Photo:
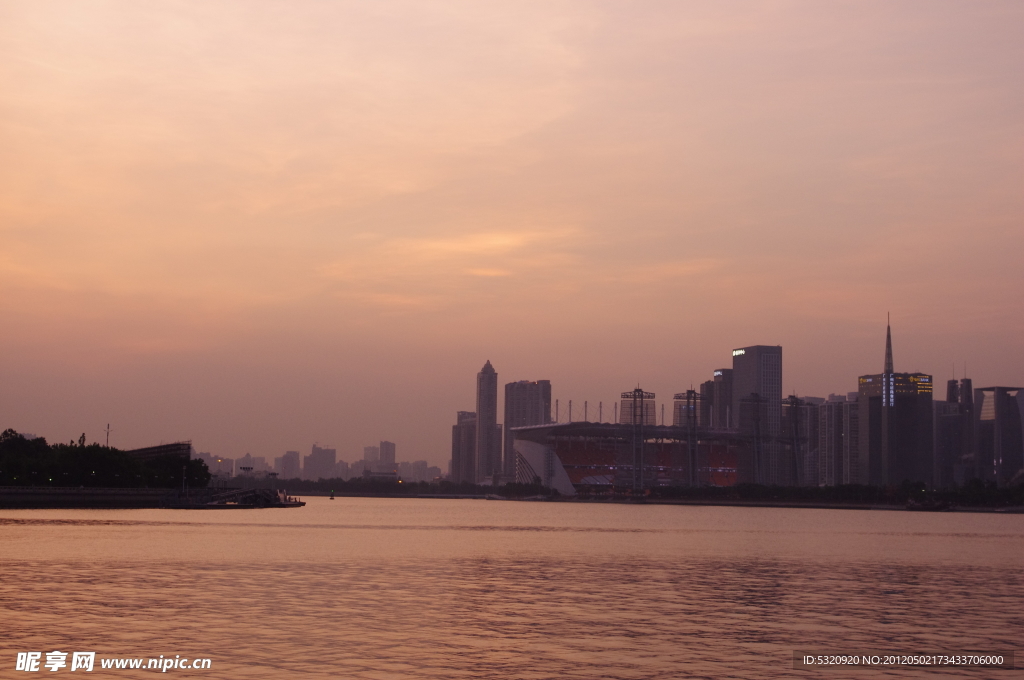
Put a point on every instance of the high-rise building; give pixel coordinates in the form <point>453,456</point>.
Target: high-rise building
<point>387,454</point>
<point>757,407</point>
<point>833,433</point>
<point>464,448</point>
<point>999,434</point>
<point>321,463</point>
<point>488,432</point>
<point>721,402</point>
<point>954,435</point>
<point>371,454</point>
<point>526,403</point>
<point>800,440</point>
<point>895,422</point>
<point>341,470</point>
<point>648,412</point>
<point>289,467</point>
<point>705,409</point>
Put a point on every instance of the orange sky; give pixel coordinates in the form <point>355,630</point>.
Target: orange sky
<point>262,224</point>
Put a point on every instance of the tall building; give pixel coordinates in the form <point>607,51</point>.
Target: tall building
<point>999,434</point>
<point>895,421</point>
<point>464,448</point>
<point>721,402</point>
<point>954,435</point>
<point>289,466</point>
<point>799,440</point>
<point>756,408</point>
<point>526,403</point>
<point>387,454</point>
<point>488,432</point>
<point>716,401</point>
<point>648,412</point>
<point>838,436</point>
<point>371,454</point>
<point>320,463</point>
<point>704,410</point>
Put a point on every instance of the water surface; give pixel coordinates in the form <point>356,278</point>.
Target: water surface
<point>404,588</point>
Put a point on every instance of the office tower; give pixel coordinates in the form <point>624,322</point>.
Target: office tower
<point>704,412</point>
<point>954,435</point>
<point>488,432</point>
<point>999,434</point>
<point>895,425</point>
<point>721,405</point>
<point>851,439</point>
<point>244,465</point>
<point>799,440</point>
<point>290,468</point>
<point>464,448</point>
<point>419,471</point>
<point>341,470</point>
<point>690,408</point>
<point>371,454</point>
<point>833,433</point>
<point>526,403</point>
<point>648,412</point>
<point>387,454</point>
<point>757,408</point>
<point>320,464</point>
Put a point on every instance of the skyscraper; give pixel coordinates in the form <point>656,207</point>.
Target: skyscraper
<point>321,463</point>
<point>290,466</point>
<point>488,432</point>
<point>757,407</point>
<point>526,403</point>
<point>954,435</point>
<point>387,454</point>
<point>800,439</point>
<point>895,420</point>
<point>648,412</point>
<point>721,408</point>
<point>464,448</point>
<point>999,433</point>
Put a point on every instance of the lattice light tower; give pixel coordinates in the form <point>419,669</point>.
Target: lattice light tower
<point>691,403</point>
<point>638,396</point>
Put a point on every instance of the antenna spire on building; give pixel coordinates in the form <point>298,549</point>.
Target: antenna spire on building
<point>888,346</point>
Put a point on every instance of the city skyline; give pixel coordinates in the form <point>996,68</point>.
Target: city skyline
<point>260,226</point>
<point>373,453</point>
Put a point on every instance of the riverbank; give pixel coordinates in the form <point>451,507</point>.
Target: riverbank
<point>29,497</point>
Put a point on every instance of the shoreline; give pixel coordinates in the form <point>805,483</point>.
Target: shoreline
<point>54,498</point>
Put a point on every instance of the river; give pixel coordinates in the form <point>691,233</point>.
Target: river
<point>433,588</point>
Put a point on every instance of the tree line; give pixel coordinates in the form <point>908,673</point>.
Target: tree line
<point>34,462</point>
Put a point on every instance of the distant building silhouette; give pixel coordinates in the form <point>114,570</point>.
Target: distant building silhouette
<point>648,415</point>
<point>387,454</point>
<point>999,434</point>
<point>464,448</point>
<point>526,403</point>
<point>954,435</point>
<point>757,408</point>
<point>488,432</point>
<point>800,440</point>
<point>371,454</point>
<point>838,437</point>
<point>288,466</point>
<point>321,463</point>
<point>895,421</point>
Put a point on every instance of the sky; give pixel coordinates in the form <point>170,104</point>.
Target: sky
<point>265,224</point>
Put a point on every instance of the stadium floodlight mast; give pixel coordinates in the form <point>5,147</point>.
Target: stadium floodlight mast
<point>638,396</point>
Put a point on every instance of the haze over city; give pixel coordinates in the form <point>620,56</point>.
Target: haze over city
<point>262,225</point>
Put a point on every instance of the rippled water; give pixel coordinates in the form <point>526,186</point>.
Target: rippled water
<point>378,588</point>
